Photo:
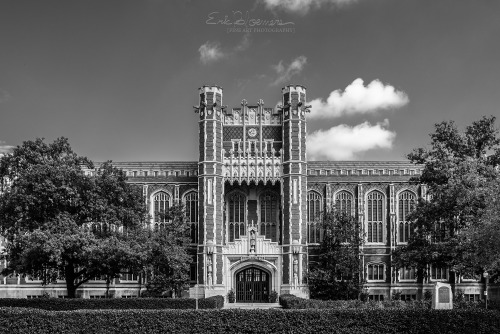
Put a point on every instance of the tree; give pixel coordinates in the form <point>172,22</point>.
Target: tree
<point>168,261</point>
<point>337,274</point>
<point>47,205</point>
<point>459,169</point>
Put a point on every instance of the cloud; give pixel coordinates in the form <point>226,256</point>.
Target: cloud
<point>303,6</point>
<point>210,52</point>
<point>4,95</point>
<point>285,73</point>
<point>4,149</point>
<point>358,99</point>
<point>343,142</point>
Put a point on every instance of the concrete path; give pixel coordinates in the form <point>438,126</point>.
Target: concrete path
<point>252,306</point>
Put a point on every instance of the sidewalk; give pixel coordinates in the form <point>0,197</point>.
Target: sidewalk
<point>251,306</point>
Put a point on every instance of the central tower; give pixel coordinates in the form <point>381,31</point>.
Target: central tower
<point>252,184</point>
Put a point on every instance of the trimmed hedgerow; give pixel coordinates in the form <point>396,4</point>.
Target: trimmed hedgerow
<point>293,302</point>
<point>16,320</point>
<point>54,304</point>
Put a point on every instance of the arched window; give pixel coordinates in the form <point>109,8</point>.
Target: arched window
<point>269,215</point>
<point>376,271</point>
<point>344,202</point>
<point>406,203</point>
<point>236,216</point>
<point>161,204</point>
<point>375,216</point>
<point>191,207</point>
<point>313,215</point>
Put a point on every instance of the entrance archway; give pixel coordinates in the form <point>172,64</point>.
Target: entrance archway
<point>252,285</point>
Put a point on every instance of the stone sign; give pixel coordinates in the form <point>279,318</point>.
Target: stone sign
<point>443,295</point>
<point>442,298</point>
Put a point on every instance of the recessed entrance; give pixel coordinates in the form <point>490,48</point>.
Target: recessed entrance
<point>252,286</point>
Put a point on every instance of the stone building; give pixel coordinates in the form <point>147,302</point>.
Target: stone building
<point>252,198</point>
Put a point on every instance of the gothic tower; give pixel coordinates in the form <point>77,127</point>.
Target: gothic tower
<point>210,187</point>
<point>294,189</point>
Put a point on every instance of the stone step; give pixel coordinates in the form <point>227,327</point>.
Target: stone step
<point>251,306</point>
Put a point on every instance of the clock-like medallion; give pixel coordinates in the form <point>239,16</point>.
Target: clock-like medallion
<point>252,132</point>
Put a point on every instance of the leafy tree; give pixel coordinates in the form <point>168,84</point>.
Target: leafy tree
<point>114,254</point>
<point>336,274</point>
<point>47,205</point>
<point>168,261</point>
<point>459,170</point>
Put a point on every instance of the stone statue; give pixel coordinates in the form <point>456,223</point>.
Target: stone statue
<point>209,271</point>
<point>252,241</point>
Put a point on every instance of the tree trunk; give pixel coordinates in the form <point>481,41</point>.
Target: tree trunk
<point>70,288</point>
<point>420,283</point>
<point>70,281</point>
<point>452,280</point>
<point>108,282</point>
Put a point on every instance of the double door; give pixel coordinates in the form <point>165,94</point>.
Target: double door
<point>252,286</point>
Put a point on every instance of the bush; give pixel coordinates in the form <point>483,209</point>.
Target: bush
<point>293,302</point>
<point>15,321</point>
<point>54,304</point>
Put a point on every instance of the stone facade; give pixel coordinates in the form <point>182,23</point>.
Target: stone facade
<point>251,198</point>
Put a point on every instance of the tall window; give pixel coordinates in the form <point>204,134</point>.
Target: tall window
<point>269,215</point>
<point>375,216</point>
<point>407,273</point>
<point>344,202</point>
<point>236,216</point>
<point>313,212</point>
<point>191,207</point>
<point>439,273</point>
<point>440,232</point>
<point>406,203</point>
<point>376,272</point>
<point>161,203</point>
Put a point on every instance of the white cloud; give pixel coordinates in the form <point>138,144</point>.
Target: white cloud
<point>210,52</point>
<point>358,99</point>
<point>285,73</point>
<point>343,142</point>
<point>303,6</point>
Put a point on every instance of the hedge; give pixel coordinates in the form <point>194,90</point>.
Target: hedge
<point>288,301</point>
<point>17,320</point>
<point>55,304</point>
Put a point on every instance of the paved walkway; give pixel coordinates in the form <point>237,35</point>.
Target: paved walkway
<point>252,306</point>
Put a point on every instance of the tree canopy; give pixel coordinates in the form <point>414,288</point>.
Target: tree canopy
<point>47,206</point>
<point>336,273</point>
<point>461,173</point>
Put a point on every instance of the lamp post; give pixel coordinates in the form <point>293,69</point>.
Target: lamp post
<point>486,276</point>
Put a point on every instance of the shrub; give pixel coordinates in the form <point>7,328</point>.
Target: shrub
<point>231,296</point>
<point>15,321</point>
<point>55,304</point>
<point>273,297</point>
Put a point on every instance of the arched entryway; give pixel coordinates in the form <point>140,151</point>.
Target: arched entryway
<point>252,285</point>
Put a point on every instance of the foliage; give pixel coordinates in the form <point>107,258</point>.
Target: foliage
<point>292,302</point>
<point>231,296</point>
<point>273,297</point>
<point>452,228</point>
<point>250,321</point>
<point>167,258</point>
<point>47,204</point>
<point>337,274</point>
<point>57,304</point>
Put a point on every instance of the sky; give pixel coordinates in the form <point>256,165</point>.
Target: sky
<point>119,78</point>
